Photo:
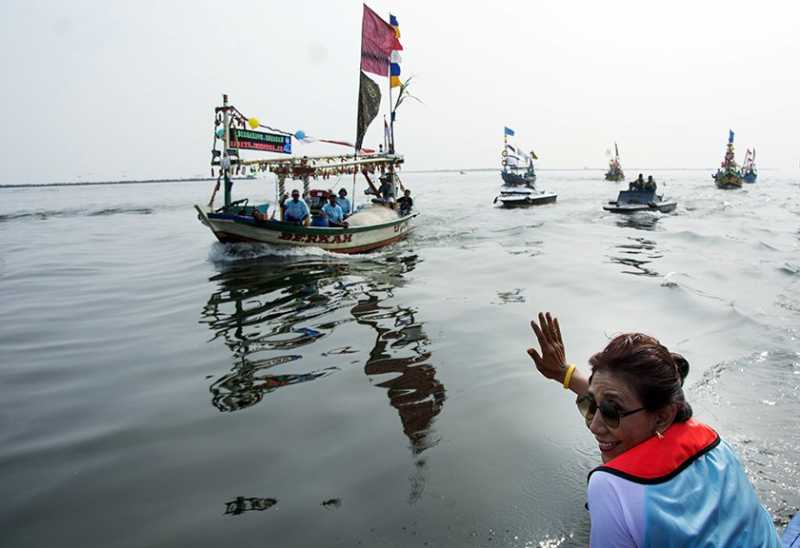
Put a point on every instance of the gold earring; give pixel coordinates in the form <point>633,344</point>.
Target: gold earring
<point>659,435</point>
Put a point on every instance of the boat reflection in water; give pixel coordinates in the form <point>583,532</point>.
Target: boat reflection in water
<point>413,390</point>
<point>256,309</point>
<point>639,221</point>
<point>637,254</point>
<point>267,309</point>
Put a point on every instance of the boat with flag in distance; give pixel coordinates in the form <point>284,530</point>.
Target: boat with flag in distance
<point>728,175</point>
<point>640,196</point>
<point>615,172</point>
<point>315,217</point>
<point>519,177</point>
<point>513,173</point>
<point>749,171</point>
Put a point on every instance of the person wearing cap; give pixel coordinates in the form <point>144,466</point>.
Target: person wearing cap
<point>295,210</point>
<point>344,203</point>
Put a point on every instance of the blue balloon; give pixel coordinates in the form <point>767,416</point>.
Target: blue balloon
<point>220,133</point>
<point>300,135</point>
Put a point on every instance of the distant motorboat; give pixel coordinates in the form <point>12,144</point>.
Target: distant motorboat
<point>522,196</point>
<point>640,197</point>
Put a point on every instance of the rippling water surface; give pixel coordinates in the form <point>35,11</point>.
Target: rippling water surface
<point>160,389</point>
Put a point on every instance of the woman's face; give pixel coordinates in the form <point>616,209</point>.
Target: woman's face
<point>632,430</point>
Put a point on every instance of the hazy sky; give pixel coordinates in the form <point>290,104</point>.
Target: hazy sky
<point>110,89</point>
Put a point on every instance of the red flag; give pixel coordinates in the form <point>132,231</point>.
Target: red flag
<point>378,39</point>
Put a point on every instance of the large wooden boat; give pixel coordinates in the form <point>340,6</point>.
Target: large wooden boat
<point>728,176</point>
<point>372,225</point>
<point>615,172</point>
<point>316,220</point>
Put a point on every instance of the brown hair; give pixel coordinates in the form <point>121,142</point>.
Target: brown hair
<point>654,373</point>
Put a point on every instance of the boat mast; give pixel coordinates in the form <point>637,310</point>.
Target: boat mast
<point>505,150</point>
<point>226,161</point>
<point>391,113</point>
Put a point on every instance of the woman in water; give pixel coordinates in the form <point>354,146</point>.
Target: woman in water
<point>666,479</point>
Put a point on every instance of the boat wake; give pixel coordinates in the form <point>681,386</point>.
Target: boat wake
<point>229,253</point>
<point>43,215</point>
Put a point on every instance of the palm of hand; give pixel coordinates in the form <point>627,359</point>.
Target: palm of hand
<point>552,361</point>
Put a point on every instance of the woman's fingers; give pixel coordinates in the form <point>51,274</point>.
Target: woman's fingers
<point>544,328</point>
<point>551,327</point>
<point>537,359</point>
<point>539,334</point>
<point>558,331</point>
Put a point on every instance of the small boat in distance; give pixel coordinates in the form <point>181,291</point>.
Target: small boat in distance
<point>519,184</point>
<point>615,172</point>
<point>513,173</point>
<point>749,171</point>
<point>728,175</point>
<point>523,196</point>
<point>640,196</point>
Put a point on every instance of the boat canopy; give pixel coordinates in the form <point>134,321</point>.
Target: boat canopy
<point>322,167</point>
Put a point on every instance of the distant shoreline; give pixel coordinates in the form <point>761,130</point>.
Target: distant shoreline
<point>412,171</point>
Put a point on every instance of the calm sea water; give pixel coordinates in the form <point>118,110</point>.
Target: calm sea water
<point>160,389</point>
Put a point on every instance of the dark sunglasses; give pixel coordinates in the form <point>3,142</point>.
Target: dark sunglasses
<point>609,411</point>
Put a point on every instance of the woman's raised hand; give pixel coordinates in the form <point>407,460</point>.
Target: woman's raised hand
<point>552,362</point>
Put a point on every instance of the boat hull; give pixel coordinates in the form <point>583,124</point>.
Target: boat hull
<point>728,180</point>
<point>749,177</point>
<point>526,200</point>
<point>632,201</point>
<point>615,177</point>
<point>357,239</point>
<point>662,207</point>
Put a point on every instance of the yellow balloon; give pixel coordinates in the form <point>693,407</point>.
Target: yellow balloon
<point>253,123</point>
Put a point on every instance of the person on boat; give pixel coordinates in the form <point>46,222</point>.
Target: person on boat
<point>344,203</point>
<point>333,212</point>
<point>638,184</point>
<point>664,477</point>
<point>295,210</point>
<point>650,185</point>
<point>319,219</point>
<point>405,202</point>
<point>386,190</point>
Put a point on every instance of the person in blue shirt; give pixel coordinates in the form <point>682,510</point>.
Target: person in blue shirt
<point>334,212</point>
<point>295,210</point>
<point>344,203</point>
